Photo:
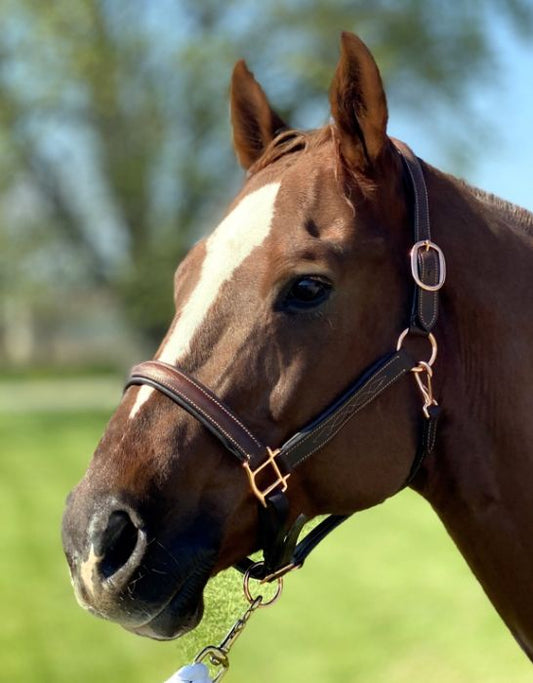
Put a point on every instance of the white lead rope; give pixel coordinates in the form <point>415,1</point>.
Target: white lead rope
<point>192,673</point>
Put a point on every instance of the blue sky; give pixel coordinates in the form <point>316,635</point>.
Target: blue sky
<point>504,163</point>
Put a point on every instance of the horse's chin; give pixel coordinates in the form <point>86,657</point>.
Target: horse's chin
<point>171,622</point>
<point>179,614</point>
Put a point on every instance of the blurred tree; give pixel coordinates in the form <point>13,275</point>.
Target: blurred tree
<point>117,111</point>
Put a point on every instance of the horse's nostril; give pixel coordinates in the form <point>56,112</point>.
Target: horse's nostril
<point>117,543</point>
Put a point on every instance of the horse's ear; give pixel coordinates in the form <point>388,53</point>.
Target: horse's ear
<point>254,122</point>
<point>358,104</point>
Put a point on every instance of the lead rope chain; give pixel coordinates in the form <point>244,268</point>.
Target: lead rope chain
<point>212,662</point>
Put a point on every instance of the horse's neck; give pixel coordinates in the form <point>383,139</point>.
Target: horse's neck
<point>480,479</point>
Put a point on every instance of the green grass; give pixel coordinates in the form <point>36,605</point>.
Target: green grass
<point>386,599</point>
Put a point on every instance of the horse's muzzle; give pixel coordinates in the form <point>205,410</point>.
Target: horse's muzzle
<point>120,572</point>
<point>104,548</point>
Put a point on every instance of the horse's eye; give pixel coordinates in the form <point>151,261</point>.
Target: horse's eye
<point>307,292</point>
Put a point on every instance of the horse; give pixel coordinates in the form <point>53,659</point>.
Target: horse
<point>281,313</point>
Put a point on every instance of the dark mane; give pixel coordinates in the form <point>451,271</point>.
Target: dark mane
<point>514,215</point>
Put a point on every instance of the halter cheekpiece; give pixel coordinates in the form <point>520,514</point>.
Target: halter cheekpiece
<point>269,469</point>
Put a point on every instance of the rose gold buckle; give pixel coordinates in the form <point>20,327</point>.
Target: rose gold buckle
<point>281,479</point>
<point>415,271</point>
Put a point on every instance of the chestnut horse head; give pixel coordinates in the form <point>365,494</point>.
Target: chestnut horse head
<point>302,285</point>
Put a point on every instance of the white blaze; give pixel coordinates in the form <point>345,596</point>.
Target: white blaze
<point>245,228</point>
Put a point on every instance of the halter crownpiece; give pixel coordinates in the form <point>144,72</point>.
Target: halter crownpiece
<point>268,469</point>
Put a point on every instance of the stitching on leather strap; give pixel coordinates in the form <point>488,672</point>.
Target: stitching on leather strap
<point>211,398</point>
<point>332,417</point>
<point>208,417</point>
<point>422,295</point>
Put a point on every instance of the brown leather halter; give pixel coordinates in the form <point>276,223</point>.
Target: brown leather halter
<point>269,469</point>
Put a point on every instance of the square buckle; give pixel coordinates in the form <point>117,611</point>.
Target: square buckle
<point>281,479</point>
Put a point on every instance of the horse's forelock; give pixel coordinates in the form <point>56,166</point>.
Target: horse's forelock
<point>289,142</point>
<point>293,143</point>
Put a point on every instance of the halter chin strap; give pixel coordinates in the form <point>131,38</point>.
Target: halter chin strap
<point>268,469</point>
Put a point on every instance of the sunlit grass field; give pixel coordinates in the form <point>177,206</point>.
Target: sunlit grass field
<point>386,599</point>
